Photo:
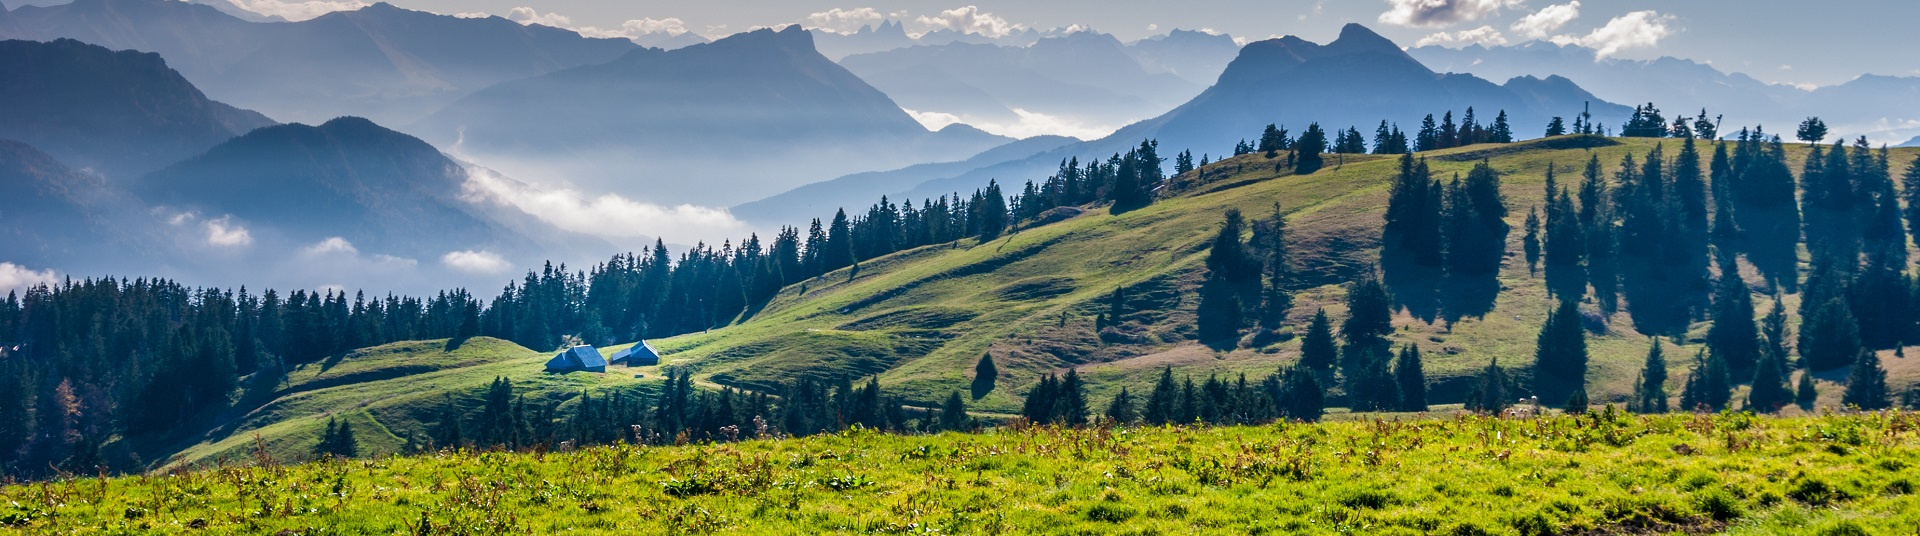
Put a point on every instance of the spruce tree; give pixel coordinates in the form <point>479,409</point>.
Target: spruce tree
<point>1770,391</point>
<point>1564,244</point>
<point>1867,385</point>
<point>1121,410</point>
<point>1707,385</point>
<point>1490,390</point>
<point>1318,351</point>
<point>1829,339</point>
<point>1650,395</point>
<point>1412,379</point>
<point>1531,242</point>
<point>1308,150</point>
<point>1577,402</point>
<point>1556,127</point>
<point>953,414</point>
<point>1072,400</point>
<point>1806,394</point>
<point>1910,188</point>
<point>1733,338</point>
<point>1560,355</point>
<point>1303,399</point>
<point>1369,322</point>
<point>1161,402</point>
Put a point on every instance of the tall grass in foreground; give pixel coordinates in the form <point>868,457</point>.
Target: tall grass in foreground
<point>1602,472</point>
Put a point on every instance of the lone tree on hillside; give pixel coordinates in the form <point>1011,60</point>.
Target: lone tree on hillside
<point>1811,130</point>
<point>984,375</point>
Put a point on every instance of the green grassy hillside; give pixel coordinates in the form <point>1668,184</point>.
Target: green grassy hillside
<point>920,319</point>
<point>1592,474</point>
<point>388,392</point>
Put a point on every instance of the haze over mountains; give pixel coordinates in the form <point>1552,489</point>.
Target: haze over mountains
<point>754,113</point>
<point>1357,80</point>
<point>556,144</point>
<point>1874,105</point>
<point>389,64</point>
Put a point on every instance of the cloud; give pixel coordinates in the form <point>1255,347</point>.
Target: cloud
<point>527,15</point>
<point>606,214</point>
<point>845,21</point>
<point>224,233</point>
<point>1026,124</point>
<point>969,19</point>
<point>1484,35</point>
<point>1540,24</point>
<point>643,26</point>
<point>475,262</point>
<point>1638,29</point>
<point>297,11</point>
<point>333,244</point>
<point>1440,12</point>
<point>14,277</point>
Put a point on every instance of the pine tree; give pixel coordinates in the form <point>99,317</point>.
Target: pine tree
<point>1412,379</point>
<point>953,414</point>
<point>1770,391</point>
<point>1733,338</point>
<point>1161,402</point>
<point>1867,385</point>
<point>1910,188</point>
<point>1318,351</point>
<point>1650,392</point>
<point>1577,402</point>
<point>1560,355</point>
<point>1556,127</point>
<point>1308,149</point>
<point>1812,131</point>
<point>1830,338</point>
<point>1072,400</point>
<point>1500,132</point>
<point>1596,223</point>
<point>1707,385</point>
<point>1120,410</point>
<point>1369,322</point>
<point>1303,398</point>
<point>1531,242</point>
<point>1806,394</point>
<point>1489,393</point>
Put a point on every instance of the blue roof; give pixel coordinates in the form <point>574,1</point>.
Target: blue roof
<point>640,351</point>
<point>578,358</point>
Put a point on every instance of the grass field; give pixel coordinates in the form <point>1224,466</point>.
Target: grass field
<point>1591,474</point>
<point>920,319</point>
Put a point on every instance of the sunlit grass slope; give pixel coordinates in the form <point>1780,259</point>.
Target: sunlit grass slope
<point>920,319</point>
<point>389,391</point>
<point>1591,474</point>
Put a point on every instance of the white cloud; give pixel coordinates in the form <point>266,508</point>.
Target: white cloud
<point>1540,24</point>
<point>224,233</point>
<point>1484,35</point>
<point>476,262</point>
<point>297,11</point>
<point>969,19</point>
<point>1638,29</point>
<point>1025,125</point>
<point>644,26</point>
<point>333,244</point>
<point>844,21</point>
<point>1440,12</point>
<point>14,277</point>
<point>1153,27</point>
<point>527,15</point>
<point>606,214</point>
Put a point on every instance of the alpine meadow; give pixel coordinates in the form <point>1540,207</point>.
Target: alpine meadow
<point>316,268</point>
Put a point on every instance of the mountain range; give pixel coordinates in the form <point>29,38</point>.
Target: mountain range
<point>1877,106</point>
<point>390,64</point>
<point>117,114</point>
<point>743,117</point>
<point>1357,80</point>
<point>1083,80</point>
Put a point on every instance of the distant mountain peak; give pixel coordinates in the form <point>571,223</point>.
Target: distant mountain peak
<point>1355,38</point>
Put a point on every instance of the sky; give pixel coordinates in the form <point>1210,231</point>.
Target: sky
<point>1793,42</point>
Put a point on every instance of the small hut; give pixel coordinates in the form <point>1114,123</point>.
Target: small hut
<point>578,358</point>
<point>640,354</point>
